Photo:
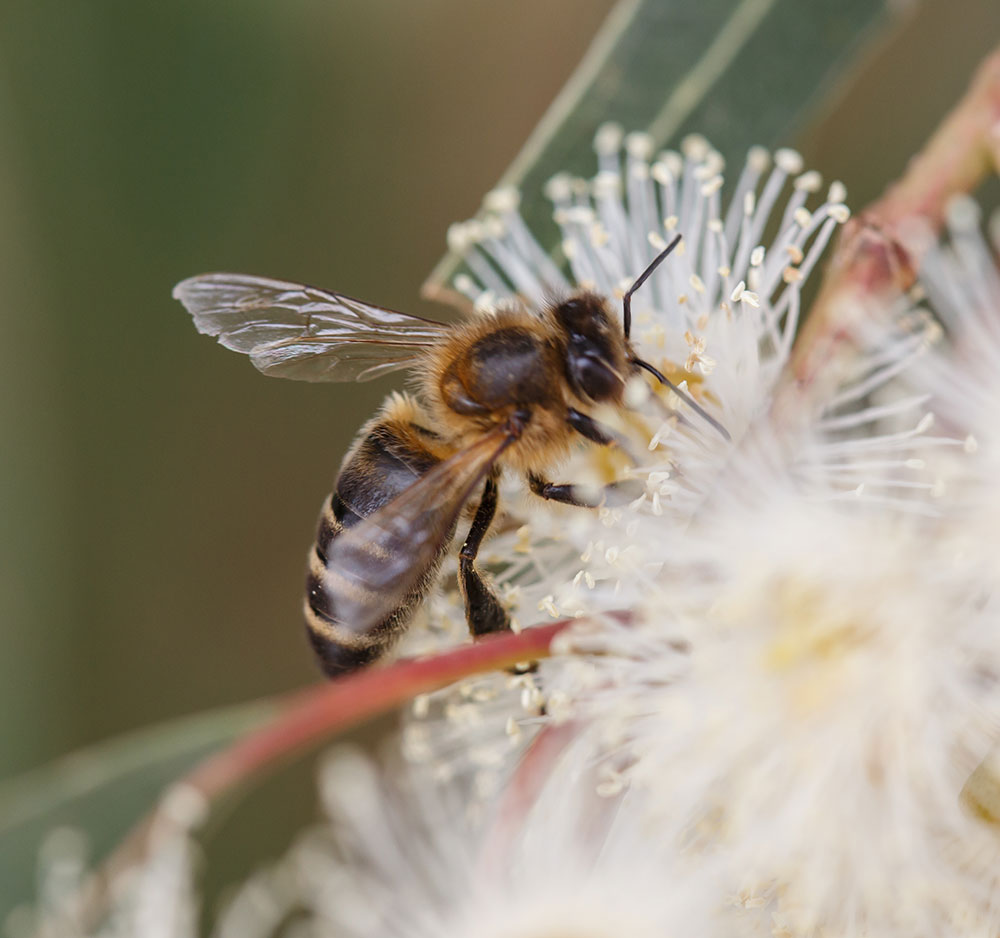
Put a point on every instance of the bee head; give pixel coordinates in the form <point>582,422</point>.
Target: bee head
<point>596,349</point>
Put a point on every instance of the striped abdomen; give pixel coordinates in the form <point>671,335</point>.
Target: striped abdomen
<point>392,455</point>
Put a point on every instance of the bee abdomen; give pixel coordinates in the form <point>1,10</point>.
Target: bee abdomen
<point>339,649</point>
<point>389,459</point>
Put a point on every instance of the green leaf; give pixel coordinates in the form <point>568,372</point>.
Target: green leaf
<point>740,73</point>
<point>105,789</point>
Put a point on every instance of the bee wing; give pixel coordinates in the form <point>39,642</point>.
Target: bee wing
<point>291,330</point>
<point>372,567</point>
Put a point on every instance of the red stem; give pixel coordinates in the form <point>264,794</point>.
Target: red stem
<point>320,712</point>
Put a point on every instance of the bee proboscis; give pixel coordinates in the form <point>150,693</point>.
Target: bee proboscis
<point>510,390</point>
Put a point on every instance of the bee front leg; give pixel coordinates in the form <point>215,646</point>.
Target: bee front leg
<point>566,493</point>
<point>483,609</point>
<point>589,428</point>
<point>563,492</point>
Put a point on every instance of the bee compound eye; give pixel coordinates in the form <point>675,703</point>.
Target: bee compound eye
<point>596,379</point>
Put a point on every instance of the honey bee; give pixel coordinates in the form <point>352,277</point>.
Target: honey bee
<point>509,390</point>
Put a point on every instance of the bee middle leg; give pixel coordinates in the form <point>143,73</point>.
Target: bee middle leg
<point>483,609</point>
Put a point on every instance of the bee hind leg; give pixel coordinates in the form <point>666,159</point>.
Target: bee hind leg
<point>483,609</point>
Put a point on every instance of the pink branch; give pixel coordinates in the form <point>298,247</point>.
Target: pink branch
<point>318,713</point>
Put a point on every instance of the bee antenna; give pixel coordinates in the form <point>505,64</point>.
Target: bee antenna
<point>697,408</point>
<point>640,280</point>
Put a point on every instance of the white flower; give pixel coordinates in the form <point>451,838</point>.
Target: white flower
<point>812,677</point>
<point>155,899</point>
<point>962,282</point>
<point>403,860</point>
<point>807,711</point>
<point>962,378</point>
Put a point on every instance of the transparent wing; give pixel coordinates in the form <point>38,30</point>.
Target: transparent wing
<point>291,330</point>
<point>373,566</point>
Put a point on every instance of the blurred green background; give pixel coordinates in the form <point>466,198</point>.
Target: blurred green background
<point>158,495</point>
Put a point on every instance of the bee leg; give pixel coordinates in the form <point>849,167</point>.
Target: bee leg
<point>598,433</point>
<point>483,609</point>
<point>564,492</point>
<point>567,493</point>
<point>588,427</point>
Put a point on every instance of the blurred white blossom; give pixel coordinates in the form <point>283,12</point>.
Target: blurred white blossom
<point>811,680</point>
